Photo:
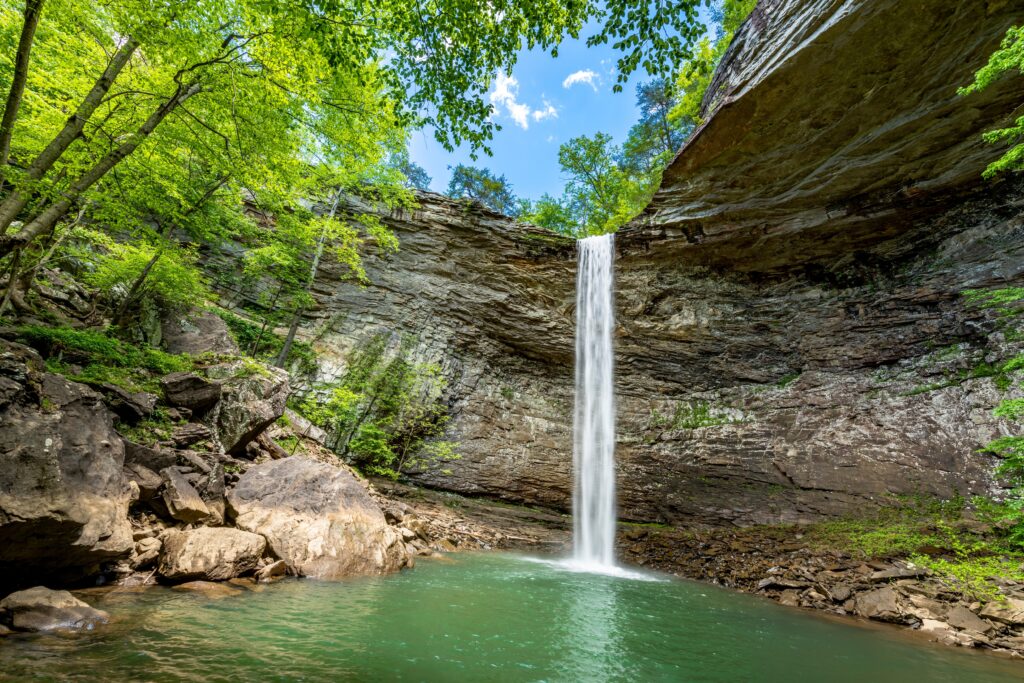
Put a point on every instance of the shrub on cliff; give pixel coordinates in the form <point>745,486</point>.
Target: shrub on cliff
<point>1007,59</point>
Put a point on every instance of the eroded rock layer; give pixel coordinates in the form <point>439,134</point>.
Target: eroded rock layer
<point>792,338</point>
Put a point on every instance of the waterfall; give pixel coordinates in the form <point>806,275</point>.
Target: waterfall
<point>594,444</point>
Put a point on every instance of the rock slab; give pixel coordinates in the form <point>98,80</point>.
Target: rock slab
<point>252,398</point>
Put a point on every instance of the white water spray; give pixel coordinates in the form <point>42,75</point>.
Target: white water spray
<point>594,448</point>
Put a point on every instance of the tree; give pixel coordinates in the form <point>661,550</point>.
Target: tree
<point>1009,57</point>
<point>655,137</point>
<point>480,184</point>
<point>551,213</point>
<point>437,71</point>
<point>693,75</point>
<point>415,176</point>
<point>386,412</point>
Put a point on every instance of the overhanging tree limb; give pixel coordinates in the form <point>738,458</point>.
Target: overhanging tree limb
<point>16,201</point>
<point>52,213</point>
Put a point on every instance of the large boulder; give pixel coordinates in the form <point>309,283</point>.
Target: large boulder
<point>63,496</point>
<point>317,518</point>
<point>42,609</point>
<point>197,332</point>
<point>210,554</point>
<point>252,397</point>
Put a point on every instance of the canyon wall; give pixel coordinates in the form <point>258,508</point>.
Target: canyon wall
<point>792,338</point>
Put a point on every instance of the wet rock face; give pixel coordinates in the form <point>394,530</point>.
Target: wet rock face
<point>317,518</point>
<point>792,341</point>
<point>63,499</point>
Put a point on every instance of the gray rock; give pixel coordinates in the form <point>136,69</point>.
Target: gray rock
<point>42,609</point>
<point>317,518</point>
<point>880,604</point>
<point>962,618</point>
<point>154,459</point>
<point>129,406</point>
<point>148,481</point>
<point>182,500</point>
<point>1009,611</point>
<point>253,397</point>
<point>274,570</point>
<point>189,434</point>
<point>191,391</point>
<point>209,553</point>
<point>898,573</point>
<point>147,550</point>
<point>305,428</point>
<point>197,332</point>
<point>839,592</point>
<point>63,497</point>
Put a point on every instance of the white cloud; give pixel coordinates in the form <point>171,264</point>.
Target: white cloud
<point>583,76</point>
<point>548,112</point>
<point>505,96</point>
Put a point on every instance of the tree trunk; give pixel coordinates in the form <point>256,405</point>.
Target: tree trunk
<point>122,310</point>
<point>358,424</point>
<point>25,281</point>
<point>286,348</point>
<point>12,281</point>
<point>51,214</point>
<point>129,298</point>
<point>33,8</point>
<point>16,201</point>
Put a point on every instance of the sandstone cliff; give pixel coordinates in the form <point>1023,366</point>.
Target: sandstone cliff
<point>792,340</point>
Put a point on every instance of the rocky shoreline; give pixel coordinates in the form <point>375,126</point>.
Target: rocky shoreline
<point>783,564</point>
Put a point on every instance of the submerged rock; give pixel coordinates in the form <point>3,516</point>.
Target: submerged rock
<point>209,553</point>
<point>63,496</point>
<point>42,609</point>
<point>317,518</point>
<point>209,589</point>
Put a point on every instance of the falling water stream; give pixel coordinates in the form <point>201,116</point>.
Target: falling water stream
<point>474,617</point>
<point>594,447</point>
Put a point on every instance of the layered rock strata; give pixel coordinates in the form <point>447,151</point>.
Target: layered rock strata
<point>793,342</point>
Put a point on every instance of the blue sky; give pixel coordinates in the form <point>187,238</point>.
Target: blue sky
<point>539,109</point>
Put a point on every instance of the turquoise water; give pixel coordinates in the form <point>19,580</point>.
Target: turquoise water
<point>483,617</point>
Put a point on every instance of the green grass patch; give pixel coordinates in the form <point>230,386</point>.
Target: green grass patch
<point>97,357</point>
